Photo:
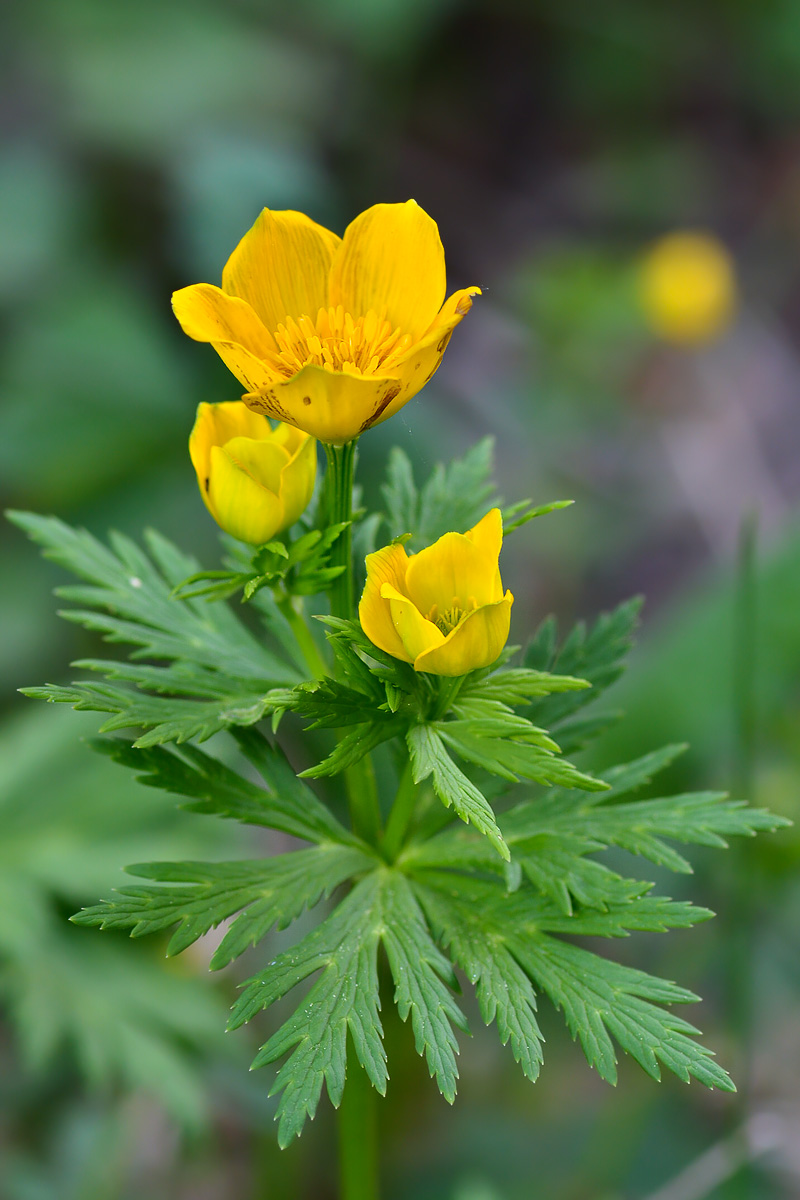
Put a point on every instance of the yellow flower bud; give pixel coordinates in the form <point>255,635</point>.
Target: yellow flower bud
<point>255,480</point>
<point>688,288</point>
<point>442,610</point>
<point>330,334</point>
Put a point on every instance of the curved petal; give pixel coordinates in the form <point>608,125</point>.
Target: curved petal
<point>475,643</point>
<point>288,436</point>
<point>384,566</point>
<point>421,362</point>
<point>238,504</point>
<point>453,572</point>
<point>232,328</point>
<point>487,535</point>
<point>216,424</point>
<point>454,309</point>
<point>281,266</point>
<point>207,314</point>
<point>263,461</point>
<point>416,634</point>
<point>334,407</point>
<point>391,260</point>
<point>297,480</point>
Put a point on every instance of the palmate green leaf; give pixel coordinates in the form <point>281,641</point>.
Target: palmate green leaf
<point>351,748</point>
<point>505,993</point>
<point>429,757</point>
<point>550,836</point>
<point>517,686</point>
<point>532,755</point>
<point>265,892</point>
<point>596,655</point>
<point>600,999</point>
<point>217,674</point>
<point>285,804</point>
<point>172,719</point>
<point>698,818</point>
<point>134,593</point>
<point>345,998</point>
<point>453,498</point>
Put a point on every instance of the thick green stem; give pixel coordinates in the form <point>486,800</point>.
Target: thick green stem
<point>302,633</point>
<point>358,1135</point>
<point>401,815</point>
<point>362,800</point>
<point>339,483</point>
<point>362,792</point>
<point>358,1121</point>
<point>449,687</point>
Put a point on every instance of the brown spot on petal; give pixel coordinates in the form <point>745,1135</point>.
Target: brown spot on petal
<point>306,399</point>
<point>440,349</point>
<point>389,395</point>
<point>207,483</point>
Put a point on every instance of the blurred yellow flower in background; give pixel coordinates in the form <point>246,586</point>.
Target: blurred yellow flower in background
<point>255,480</point>
<point>331,335</point>
<point>443,610</point>
<point>688,287</point>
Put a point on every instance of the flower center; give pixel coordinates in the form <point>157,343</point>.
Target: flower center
<point>447,620</point>
<point>336,341</point>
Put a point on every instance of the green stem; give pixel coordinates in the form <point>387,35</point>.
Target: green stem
<point>449,687</point>
<point>302,633</point>
<point>358,1119</point>
<point>362,800</point>
<point>339,482</point>
<point>358,1135</point>
<point>362,792</point>
<point>402,812</point>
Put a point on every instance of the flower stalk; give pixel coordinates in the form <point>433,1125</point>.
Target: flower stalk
<point>402,813</point>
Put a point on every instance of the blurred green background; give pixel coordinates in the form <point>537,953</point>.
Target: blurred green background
<point>553,141</point>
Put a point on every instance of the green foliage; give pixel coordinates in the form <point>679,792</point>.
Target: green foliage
<point>596,655</point>
<point>299,568</point>
<point>272,892</point>
<point>455,497</point>
<point>122,1018</point>
<point>495,888</point>
<point>219,673</point>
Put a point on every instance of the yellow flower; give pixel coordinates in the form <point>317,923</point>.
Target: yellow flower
<point>443,610</point>
<point>329,334</point>
<point>688,288</point>
<point>255,480</point>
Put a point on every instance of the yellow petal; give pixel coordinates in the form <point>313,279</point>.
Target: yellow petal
<point>475,643</point>
<point>287,436</point>
<point>234,330</point>
<point>453,572</point>
<point>297,479</point>
<point>263,461</point>
<point>332,407</point>
<point>416,634</point>
<point>215,425</point>
<point>391,260</point>
<point>419,364</point>
<point>487,535</point>
<point>384,566</point>
<point>240,505</point>
<point>454,309</point>
<point>281,267</point>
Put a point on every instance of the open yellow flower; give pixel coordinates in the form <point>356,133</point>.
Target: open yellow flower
<point>255,480</point>
<point>443,610</point>
<point>331,335</point>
